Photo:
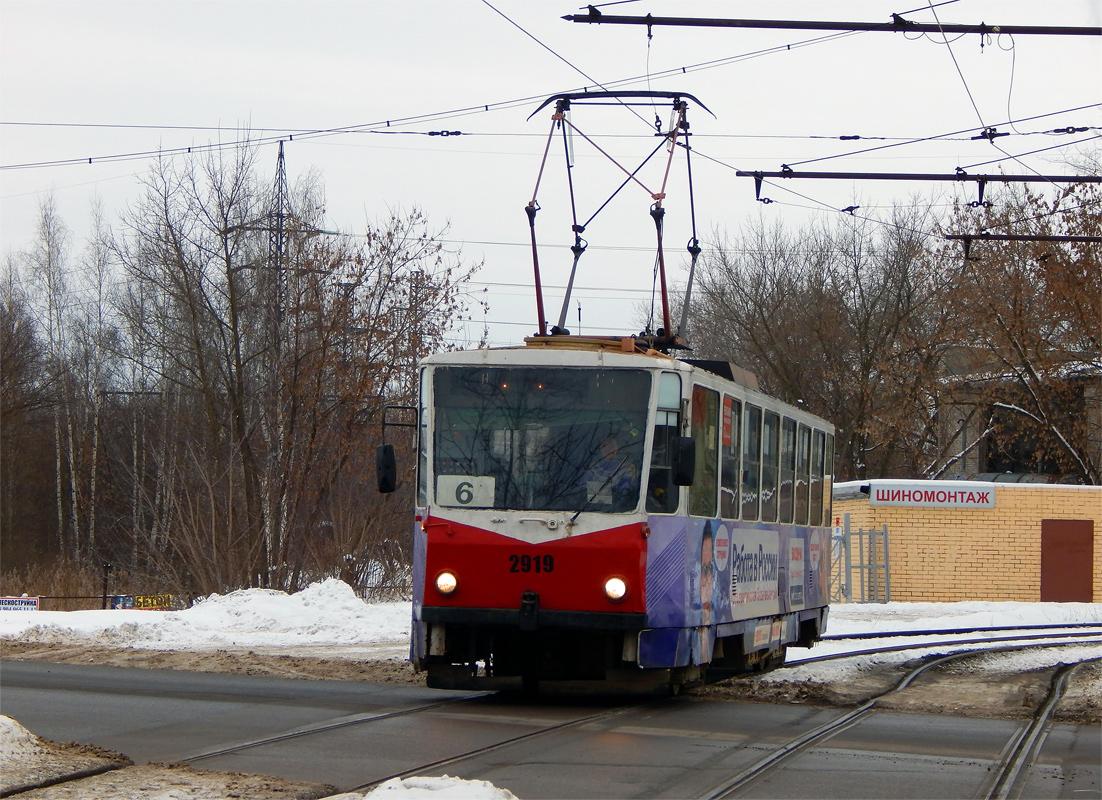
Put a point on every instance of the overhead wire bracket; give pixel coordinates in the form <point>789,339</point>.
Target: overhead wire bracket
<point>757,189</point>
<point>990,134</point>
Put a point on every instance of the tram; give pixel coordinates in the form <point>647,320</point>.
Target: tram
<point>598,513</point>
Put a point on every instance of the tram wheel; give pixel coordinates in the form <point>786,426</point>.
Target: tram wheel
<point>774,660</point>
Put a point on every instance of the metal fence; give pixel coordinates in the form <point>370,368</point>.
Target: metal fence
<point>159,602</point>
<point>859,565</point>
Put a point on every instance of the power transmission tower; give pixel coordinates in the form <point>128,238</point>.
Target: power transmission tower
<point>278,215</point>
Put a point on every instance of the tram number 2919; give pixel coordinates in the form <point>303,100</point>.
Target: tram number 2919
<point>527,563</point>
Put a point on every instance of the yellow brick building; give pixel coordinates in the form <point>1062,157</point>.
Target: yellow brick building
<point>977,540</point>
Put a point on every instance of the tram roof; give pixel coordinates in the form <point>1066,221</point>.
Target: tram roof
<point>594,350</point>
<point>608,351</point>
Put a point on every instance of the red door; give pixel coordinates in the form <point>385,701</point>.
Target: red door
<point>1067,560</point>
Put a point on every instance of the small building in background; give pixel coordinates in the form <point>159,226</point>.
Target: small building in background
<point>984,540</point>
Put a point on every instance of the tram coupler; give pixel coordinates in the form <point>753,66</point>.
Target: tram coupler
<point>529,610</point>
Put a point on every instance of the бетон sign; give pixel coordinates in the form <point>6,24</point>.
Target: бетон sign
<point>931,494</point>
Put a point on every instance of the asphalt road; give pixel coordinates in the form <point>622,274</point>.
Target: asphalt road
<point>673,747</point>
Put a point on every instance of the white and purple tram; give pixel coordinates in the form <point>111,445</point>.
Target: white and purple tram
<point>593,511</point>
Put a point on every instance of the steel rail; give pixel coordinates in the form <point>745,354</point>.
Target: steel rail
<point>802,743</point>
<point>1029,739</point>
<point>343,722</point>
<point>930,645</point>
<point>505,744</point>
<point>1021,749</point>
<point>956,631</point>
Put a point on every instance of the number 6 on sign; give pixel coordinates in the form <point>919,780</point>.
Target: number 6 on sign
<point>465,491</point>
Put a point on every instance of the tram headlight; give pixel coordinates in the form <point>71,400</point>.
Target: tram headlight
<point>616,589</point>
<point>446,583</point>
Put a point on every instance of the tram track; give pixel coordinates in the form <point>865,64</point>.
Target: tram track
<point>1018,752</point>
<point>1011,768</point>
<point>1017,755</point>
<point>325,727</point>
<point>942,640</point>
<point>1027,742</point>
<point>958,631</point>
<point>361,719</point>
<point>358,720</point>
<point>504,745</point>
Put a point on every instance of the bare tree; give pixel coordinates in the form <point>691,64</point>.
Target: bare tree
<point>47,265</point>
<point>1031,312</point>
<point>272,367</point>
<point>841,319</point>
<point>90,371</point>
<point>25,400</point>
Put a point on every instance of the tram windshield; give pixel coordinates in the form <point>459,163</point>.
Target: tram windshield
<point>539,438</point>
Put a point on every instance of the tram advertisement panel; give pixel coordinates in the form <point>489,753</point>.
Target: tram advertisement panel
<point>757,580</point>
<point>707,572</point>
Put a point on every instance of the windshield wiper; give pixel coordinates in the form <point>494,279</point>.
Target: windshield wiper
<point>600,489</point>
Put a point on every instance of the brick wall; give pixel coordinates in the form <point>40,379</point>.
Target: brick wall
<point>991,554</point>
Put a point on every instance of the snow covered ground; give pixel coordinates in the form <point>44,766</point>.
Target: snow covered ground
<point>328,618</point>
<point>328,615</point>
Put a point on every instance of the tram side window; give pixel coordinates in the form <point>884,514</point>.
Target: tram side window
<point>729,452</point>
<point>770,459</point>
<point>662,495</point>
<point>828,479</point>
<point>788,469</point>
<point>803,472</point>
<point>751,462</point>
<point>705,431</point>
<point>817,446</point>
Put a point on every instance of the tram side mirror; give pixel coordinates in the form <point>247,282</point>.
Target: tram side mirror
<point>684,461</point>
<point>386,468</point>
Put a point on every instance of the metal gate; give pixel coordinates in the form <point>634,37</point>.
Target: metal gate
<point>859,565</point>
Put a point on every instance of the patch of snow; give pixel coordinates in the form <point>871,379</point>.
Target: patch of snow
<point>27,760</point>
<point>16,744</point>
<point>1027,660</point>
<point>432,789</point>
<point>852,618</point>
<point>856,618</point>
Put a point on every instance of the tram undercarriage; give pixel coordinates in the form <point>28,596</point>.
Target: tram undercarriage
<point>563,660</point>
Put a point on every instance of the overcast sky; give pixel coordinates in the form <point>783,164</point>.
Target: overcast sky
<point>104,80</point>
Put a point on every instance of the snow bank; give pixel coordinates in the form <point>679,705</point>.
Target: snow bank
<point>325,613</point>
<point>26,760</point>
